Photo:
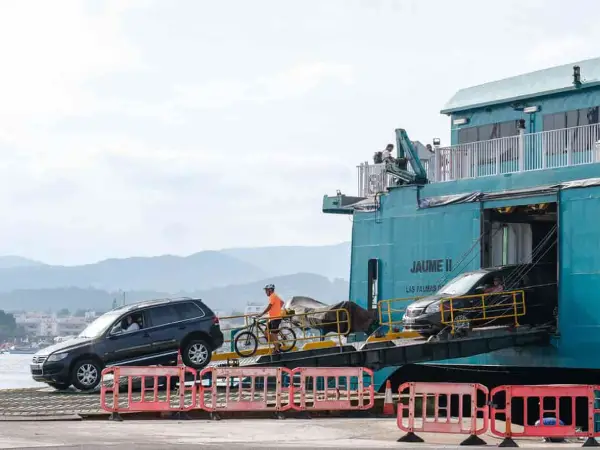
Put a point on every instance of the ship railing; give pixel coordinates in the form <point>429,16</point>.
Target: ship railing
<point>460,312</point>
<point>521,153</point>
<point>373,178</point>
<point>391,311</point>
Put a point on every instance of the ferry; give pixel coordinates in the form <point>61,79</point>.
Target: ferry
<point>519,184</point>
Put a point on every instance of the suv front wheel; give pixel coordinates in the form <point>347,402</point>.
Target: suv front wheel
<point>196,353</point>
<point>86,374</point>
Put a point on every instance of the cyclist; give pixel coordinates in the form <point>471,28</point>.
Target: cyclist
<point>274,309</point>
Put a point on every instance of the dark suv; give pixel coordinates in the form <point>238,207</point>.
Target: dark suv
<point>141,334</point>
<point>538,283</point>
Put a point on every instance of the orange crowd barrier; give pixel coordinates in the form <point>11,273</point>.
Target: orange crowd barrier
<point>536,403</point>
<point>332,389</point>
<point>149,398</point>
<point>470,415</point>
<point>244,389</point>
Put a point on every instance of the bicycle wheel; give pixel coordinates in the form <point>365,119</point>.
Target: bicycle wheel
<point>287,337</point>
<point>245,344</point>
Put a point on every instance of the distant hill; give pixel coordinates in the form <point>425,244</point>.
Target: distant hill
<point>160,273</point>
<point>332,261</point>
<point>10,261</point>
<point>222,298</point>
<point>199,271</point>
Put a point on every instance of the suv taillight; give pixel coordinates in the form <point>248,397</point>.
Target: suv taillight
<point>215,320</point>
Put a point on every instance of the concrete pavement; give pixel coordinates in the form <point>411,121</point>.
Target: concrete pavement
<point>226,434</point>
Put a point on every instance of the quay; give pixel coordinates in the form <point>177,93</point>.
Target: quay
<point>365,434</point>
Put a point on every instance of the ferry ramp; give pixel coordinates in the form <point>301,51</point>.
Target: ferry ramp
<point>398,352</point>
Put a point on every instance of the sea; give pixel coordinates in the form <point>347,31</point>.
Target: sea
<point>14,372</point>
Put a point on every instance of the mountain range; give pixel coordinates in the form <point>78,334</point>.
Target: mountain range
<point>226,279</point>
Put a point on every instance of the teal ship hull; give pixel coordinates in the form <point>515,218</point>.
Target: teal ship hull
<point>423,233</point>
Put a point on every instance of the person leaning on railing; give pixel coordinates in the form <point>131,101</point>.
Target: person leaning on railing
<point>274,308</point>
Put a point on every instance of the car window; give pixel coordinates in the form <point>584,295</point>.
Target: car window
<point>188,310</point>
<point>162,315</point>
<point>461,284</point>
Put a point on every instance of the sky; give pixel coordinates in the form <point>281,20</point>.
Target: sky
<point>140,128</point>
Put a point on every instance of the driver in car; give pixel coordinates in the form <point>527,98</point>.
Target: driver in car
<point>496,287</point>
<point>132,325</point>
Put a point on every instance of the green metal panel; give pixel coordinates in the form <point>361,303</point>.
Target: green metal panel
<point>401,234</point>
<point>579,276</point>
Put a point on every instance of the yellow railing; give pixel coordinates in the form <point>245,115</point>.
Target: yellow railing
<point>484,310</point>
<point>392,310</point>
<point>298,322</point>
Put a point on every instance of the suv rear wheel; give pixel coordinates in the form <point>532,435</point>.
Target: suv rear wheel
<point>86,374</point>
<point>196,353</point>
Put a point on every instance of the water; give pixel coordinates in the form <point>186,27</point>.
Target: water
<point>14,372</point>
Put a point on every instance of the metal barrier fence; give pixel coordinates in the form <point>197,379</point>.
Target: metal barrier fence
<point>331,388</point>
<point>459,312</point>
<point>470,397</point>
<point>548,401</point>
<point>233,389</point>
<point>245,389</point>
<point>149,379</point>
<point>557,410</point>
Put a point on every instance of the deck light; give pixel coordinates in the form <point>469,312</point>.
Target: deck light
<point>460,121</point>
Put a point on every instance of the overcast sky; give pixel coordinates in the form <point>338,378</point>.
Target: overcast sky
<point>152,127</point>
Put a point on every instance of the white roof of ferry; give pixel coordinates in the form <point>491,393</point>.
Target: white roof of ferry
<point>540,82</point>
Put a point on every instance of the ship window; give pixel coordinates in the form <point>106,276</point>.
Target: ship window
<point>487,132</point>
<point>509,128</point>
<point>467,135</point>
<point>569,119</point>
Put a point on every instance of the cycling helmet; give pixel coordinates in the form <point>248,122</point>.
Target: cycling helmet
<point>270,286</point>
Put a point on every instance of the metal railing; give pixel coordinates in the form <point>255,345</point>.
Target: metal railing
<point>482,307</point>
<point>373,179</point>
<point>391,311</point>
<point>524,152</point>
<point>303,325</point>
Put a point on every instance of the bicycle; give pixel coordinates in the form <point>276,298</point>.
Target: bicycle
<point>246,343</point>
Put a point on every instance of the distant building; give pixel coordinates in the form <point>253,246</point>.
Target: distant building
<point>253,308</point>
<point>41,325</point>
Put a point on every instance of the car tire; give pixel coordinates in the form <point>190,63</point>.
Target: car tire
<point>59,386</point>
<point>196,353</point>
<point>86,374</point>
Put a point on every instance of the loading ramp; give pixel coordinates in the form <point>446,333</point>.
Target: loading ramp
<point>378,355</point>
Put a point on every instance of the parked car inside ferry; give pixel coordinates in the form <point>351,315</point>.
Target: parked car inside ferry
<point>536,305</point>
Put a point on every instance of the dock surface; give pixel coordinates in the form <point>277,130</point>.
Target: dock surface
<point>243,434</point>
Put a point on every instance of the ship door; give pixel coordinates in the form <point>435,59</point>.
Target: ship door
<point>524,237</point>
<point>373,288</point>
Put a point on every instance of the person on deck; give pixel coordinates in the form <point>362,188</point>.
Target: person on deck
<point>386,155</point>
<point>274,309</point>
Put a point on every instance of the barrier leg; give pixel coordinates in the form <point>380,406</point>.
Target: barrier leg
<point>591,442</point>
<point>473,440</point>
<point>115,417</point>
<point>508,442</point>
<point>410,437</point>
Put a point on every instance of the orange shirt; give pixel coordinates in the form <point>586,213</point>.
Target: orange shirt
<point>276,306</point>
